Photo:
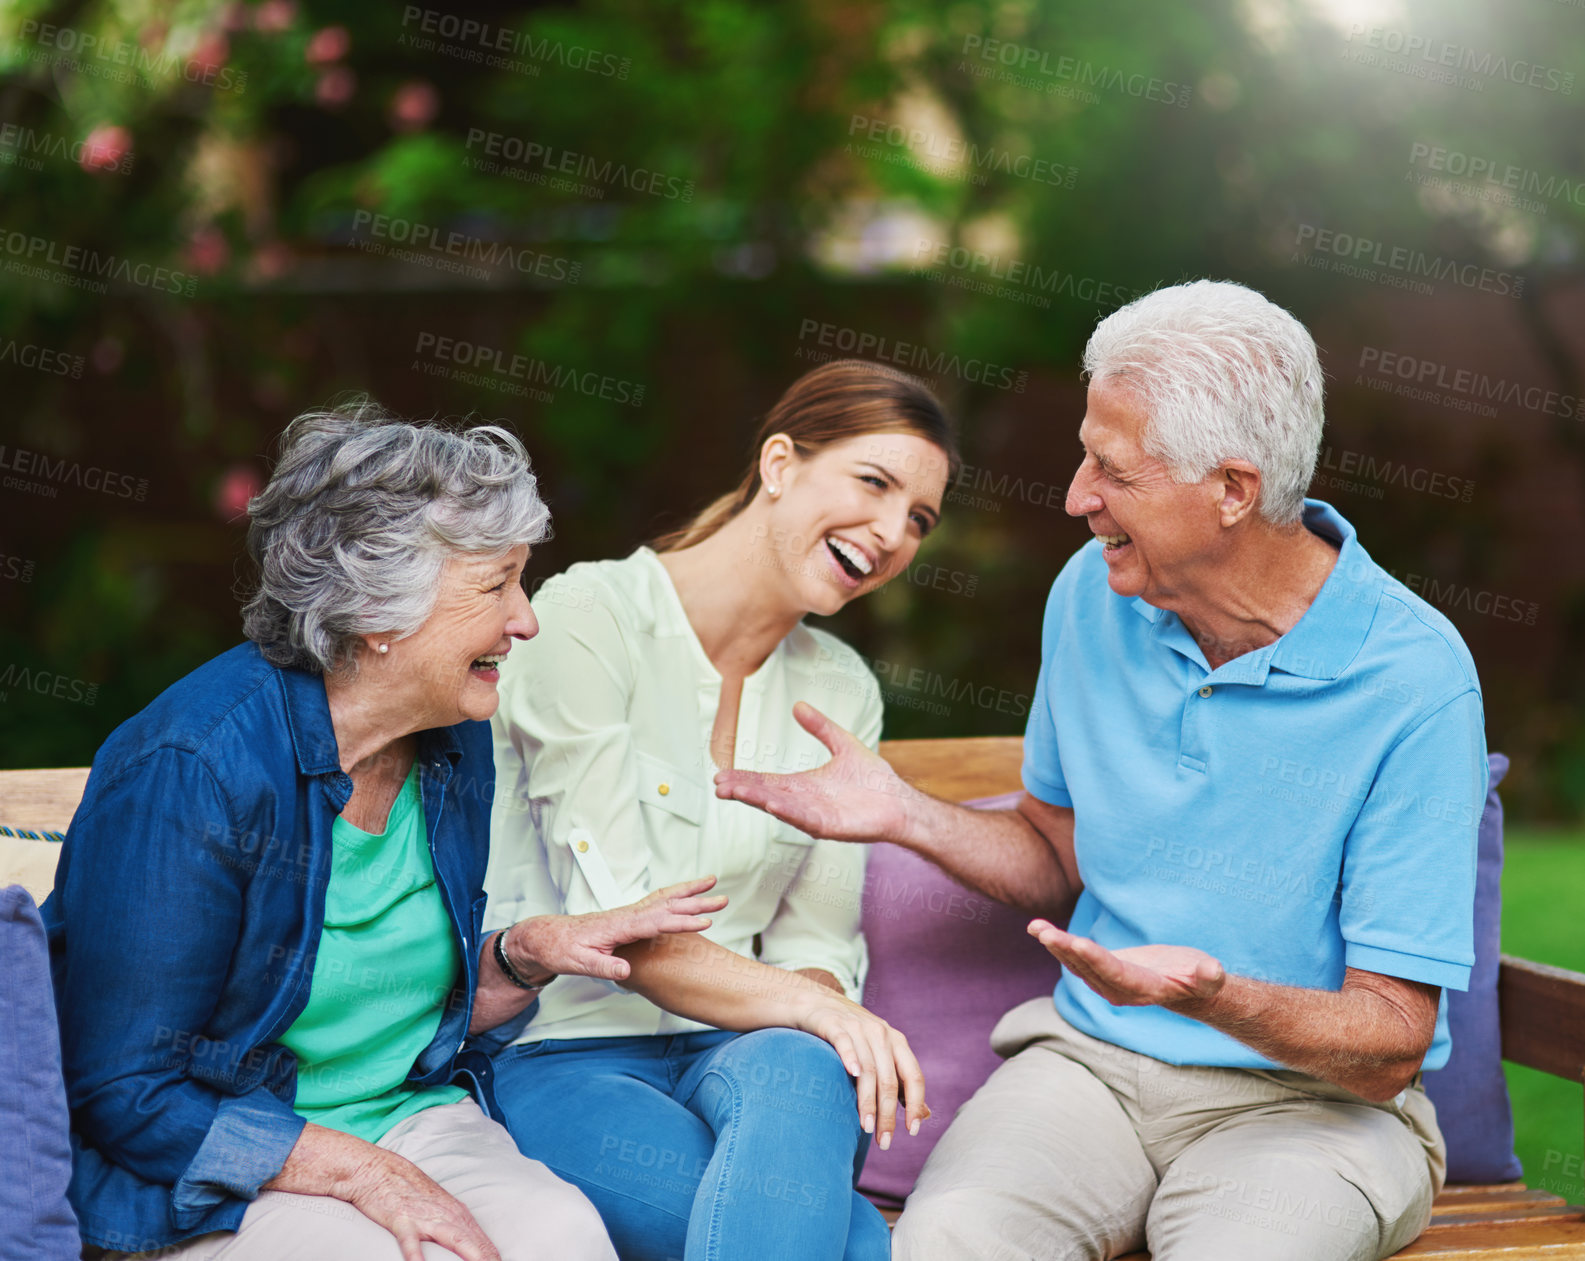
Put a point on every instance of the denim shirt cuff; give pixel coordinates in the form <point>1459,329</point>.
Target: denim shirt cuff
<point>494,1041</point>
<point>247,1145</point>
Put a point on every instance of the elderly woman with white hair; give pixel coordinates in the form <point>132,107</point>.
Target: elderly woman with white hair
<point>266,923</point>
<point>1254,769</point>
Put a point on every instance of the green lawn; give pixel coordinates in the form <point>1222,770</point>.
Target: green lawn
<point>1543,891</point>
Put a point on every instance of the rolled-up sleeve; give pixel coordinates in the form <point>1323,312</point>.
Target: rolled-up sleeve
<point>566,833</point>
<point>817,924</point>
<point>150,910</point>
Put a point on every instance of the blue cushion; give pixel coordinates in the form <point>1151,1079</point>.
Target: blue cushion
<point>36,1163</point>
<point>1470,1092</point>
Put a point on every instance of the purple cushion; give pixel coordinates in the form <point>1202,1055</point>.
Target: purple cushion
<point>1470,1093</point>
<point>36,1162</point>
<point>946,963</point>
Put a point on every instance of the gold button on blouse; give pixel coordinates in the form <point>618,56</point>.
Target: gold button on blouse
<point>583,847</point>
<point>663,789</point>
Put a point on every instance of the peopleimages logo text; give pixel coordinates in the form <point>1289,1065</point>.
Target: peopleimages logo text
<point>71,473</point>
<point>1364,251</point>
<point>1441,52</point>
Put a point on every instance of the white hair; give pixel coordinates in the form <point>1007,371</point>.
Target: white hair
<point>359,518</point>
<point>1225,374</point>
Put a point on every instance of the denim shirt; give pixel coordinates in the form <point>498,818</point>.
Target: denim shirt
<point>186,912</point>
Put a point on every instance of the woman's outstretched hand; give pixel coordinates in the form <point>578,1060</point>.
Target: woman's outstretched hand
<point>856,796</point>
<point>583,945</point>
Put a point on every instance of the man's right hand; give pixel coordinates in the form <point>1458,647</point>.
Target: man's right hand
<point>856,796</point>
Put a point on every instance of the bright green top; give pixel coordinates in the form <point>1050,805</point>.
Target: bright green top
<point>387,961</point>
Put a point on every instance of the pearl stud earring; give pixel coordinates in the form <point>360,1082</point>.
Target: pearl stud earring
<point>383,648</point>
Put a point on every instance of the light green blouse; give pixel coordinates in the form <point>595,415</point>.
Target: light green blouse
<point>387,962</point>
<point>604,786</point>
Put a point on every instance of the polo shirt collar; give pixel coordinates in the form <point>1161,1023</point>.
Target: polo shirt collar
<point>1333,628</point>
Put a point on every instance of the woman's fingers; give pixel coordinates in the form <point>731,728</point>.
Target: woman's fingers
<point>684,888</point>
<point>885,1083</point>
<point>842,1044</point>
<point>447,1223</point>
<point>599,964</point>
<point>697,906</point>
<point>684,924</point>
<point>412,1245</point>
<point>912,1079</point>
<point>865,1081</point>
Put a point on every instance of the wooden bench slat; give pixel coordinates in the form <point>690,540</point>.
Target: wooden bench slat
<point>1465,1206</point>
<point>30,864</point>
<point>42,800</point>
<point>1557,1237</point>
<point>959,770</point>
<point>1497,1217</point>
<point>1543,1017</point>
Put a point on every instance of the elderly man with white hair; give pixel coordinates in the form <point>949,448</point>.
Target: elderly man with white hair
<point>1253,775</point>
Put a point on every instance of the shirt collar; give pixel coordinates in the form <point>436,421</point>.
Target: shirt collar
<point>1333,629</point>
<point>314,735</point>
<point>308,716</point>
<point>1329,635</point>
<point>671,619</point>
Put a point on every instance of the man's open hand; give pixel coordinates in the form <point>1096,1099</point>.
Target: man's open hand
<point>856,796</point>
<point>1176,977</point>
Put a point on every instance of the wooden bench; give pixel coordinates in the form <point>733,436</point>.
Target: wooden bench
<point>1543,1008</point>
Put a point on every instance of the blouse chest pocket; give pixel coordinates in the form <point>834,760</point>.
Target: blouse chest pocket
<point>664,786</point>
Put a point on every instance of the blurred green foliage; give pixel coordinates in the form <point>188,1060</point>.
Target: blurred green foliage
<point>253,144</point>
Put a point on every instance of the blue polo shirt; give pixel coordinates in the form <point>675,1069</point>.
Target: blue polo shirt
<point>1307,807</point>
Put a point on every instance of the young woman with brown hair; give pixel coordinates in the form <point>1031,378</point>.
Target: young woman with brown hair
<point>716,1101</point>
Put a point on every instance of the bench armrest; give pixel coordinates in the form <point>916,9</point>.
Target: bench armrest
<point>1543,1017</point>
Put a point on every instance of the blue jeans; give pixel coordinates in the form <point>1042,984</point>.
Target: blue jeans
<point>707,1146</point>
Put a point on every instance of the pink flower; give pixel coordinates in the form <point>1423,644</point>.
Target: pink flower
<point>105,147</point>
<point>238,484</point>
<point>275,15</point>
<point>212,52</point>
<point>270,261</point>
<point>335,87</point>
<point>329,44</point>
<point>208,251</point>
<point>414,106</point>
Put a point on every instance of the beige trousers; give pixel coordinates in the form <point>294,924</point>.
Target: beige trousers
<point>1079,1150</point>
<point>528,1212</point>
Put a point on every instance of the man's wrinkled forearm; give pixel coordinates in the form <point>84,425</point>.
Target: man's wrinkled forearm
<point>1367,1038</point>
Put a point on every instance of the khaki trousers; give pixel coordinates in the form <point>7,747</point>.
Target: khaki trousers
<point>1078,1150</point>
<point>528,1212</point>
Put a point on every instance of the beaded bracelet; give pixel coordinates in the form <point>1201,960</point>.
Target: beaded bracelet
<point>508,971</point>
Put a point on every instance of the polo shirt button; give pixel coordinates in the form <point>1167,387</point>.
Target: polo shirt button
<point>1205,691</point>
<point>663,789</point>
<point>583,847</point>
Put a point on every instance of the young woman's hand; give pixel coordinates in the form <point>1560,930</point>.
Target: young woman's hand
<point>877,1056</point>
